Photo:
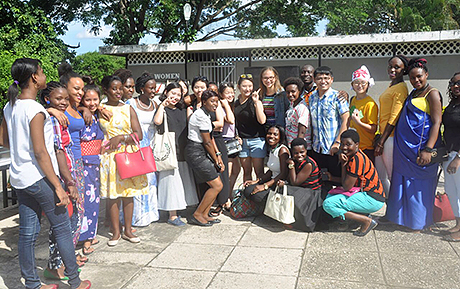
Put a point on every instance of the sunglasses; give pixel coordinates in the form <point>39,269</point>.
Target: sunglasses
<point>246,76</point>
<point>201,78</point>
<point>457,83</point>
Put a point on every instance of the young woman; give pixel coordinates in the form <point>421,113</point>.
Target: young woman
<point>357,171</point>
<point>184,85</point>
<point>451,121</point>
<point>391,104</point>
<point>277,166</point>
<point>304,173</point>
<point>204,158</point>
<point>55,96</point>
<point>273,97</point>
<point>250,119</point>
<point>298,115</point>
<point>27,128</point>
<point>117,132</point>
<point>199,85</point>
<point>74,85</point>
<point>176,188</point>
<point>227,100</point>
<point>413,185</point>
<point>91,144</point>
<point>146,206</point>
<point>127,79</point>
<point>363,111</point>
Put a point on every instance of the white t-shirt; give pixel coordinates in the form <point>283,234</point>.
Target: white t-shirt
<point>295,115</point>
<point>199,122</point>
<point>24,168</point>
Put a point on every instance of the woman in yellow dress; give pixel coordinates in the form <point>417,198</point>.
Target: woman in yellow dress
<point>117,135</point>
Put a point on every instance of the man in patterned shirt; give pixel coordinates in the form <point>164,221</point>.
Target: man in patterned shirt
<point>329,118</point>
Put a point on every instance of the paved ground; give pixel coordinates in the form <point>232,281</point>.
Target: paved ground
<point>253,253</point>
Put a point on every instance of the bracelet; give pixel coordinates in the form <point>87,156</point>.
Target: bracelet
<point>218,154</point>
<point>428,149</point>
<point>125,138</point>
<point>70,183</point>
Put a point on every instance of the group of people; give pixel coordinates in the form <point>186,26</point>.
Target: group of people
<point>351,154</point>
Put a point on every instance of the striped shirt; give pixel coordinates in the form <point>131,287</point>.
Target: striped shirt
<point>361,167</point>
<point>295,116</point>
<point>325,114</point>
<point>314,180</point>
<point>269,109</point>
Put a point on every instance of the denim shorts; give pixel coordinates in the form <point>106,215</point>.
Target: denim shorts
<point>254,148</point>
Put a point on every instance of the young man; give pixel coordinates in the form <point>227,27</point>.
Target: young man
<point>309,86</point>
<point>362,192</point>
<point>329,118</point>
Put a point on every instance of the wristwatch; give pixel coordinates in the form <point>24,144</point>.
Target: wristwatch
<point>265,187</point>
<point>291,166</point>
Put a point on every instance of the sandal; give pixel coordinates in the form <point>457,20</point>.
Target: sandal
<point>82,259</point>
<point>94,242</point>
<point>87,250</point>
<point>215,212</point>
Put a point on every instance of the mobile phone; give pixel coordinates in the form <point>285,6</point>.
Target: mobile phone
<point>218,167</point>
<point>324,176</point>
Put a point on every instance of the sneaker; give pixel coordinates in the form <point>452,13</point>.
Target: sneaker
<point>176,222</point>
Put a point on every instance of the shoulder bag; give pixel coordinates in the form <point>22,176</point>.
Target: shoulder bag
<point>164,148</point>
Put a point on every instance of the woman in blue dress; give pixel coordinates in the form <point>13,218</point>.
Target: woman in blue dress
<point>91,142</point>
<point>414,179</point>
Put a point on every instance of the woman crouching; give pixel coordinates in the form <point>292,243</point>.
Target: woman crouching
<point>362,192</point>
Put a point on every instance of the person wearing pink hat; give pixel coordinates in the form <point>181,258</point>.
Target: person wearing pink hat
<point>363,110</point>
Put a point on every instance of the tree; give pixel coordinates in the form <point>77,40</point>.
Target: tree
<point>380,16</point>
<point>27,32</point>
<point>97,65</point>
<point>133,19</point>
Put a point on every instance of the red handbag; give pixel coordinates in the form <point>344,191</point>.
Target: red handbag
<point>137,163</point>
<point>442,210</point>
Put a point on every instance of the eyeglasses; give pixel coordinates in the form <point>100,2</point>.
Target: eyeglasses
<point>457,83</point>
<point>268,78</point>
<point>246,76</point>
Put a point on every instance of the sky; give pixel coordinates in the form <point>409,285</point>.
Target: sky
<point>77,34</point>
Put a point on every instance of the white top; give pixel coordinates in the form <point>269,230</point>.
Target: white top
<point>145,120</point>
<point>24,168</point>
<point>273,163</point>
<point>199,122</point>
<point>295,115</point>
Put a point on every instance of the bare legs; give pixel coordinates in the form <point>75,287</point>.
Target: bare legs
<point>128,207</point>
<point>363,220</point>
<point>249,163</point>
<point>202,211</point>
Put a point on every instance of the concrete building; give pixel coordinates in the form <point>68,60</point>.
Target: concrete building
<point>226,60</point>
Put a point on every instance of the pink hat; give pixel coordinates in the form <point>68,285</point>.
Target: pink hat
<point>364,74</point>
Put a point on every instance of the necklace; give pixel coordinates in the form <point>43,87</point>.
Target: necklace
<point>417,93</point>
<point>142,105</point>
<point>274,149</point>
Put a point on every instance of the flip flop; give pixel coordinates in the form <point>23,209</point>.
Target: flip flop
<point>95,242</point>
<point>48,275</point>
<point>87,250</point>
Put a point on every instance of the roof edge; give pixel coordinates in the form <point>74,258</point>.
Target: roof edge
<point>245,44</point>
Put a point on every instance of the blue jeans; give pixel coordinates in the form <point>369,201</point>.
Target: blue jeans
<point>32,200</point>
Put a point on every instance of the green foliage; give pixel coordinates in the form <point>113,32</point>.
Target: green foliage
<point>380,16</point>
<point>97,65</point>
<point>27,32</point>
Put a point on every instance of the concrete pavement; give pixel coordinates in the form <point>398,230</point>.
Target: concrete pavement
<point>252,253</point>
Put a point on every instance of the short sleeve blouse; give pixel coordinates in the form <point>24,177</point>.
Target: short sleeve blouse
<point>199,122</point>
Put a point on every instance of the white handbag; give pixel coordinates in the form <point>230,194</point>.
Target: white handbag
<point>164,148</point>
<point>280,206</point>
